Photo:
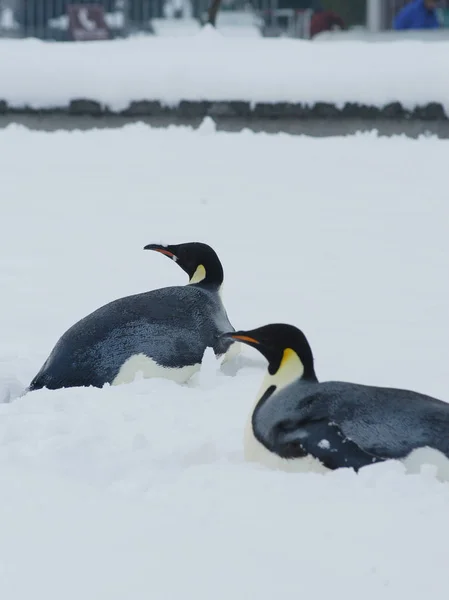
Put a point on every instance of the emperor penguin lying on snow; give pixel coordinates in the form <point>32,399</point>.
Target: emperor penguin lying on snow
<point>301,424</point>
<point>161,333</point>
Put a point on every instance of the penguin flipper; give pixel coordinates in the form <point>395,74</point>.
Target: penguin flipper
<point>324,441</point>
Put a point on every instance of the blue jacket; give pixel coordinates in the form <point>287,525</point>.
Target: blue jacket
<point>415,15</point>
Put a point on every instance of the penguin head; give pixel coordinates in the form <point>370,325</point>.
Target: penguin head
<point>198,260</point>
<point>285,347</point>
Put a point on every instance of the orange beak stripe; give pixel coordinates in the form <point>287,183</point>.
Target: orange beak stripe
<point>245,338</point>
<point>166,252</point>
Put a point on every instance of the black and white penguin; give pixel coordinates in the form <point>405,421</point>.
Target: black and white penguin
<point>161,333</point>
<point>301,424</point>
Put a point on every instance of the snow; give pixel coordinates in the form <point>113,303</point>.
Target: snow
<point>182,8</point>
<point>222,67</point>
<point>362,34</point>
<point>7,20</point>
<point>240,23</point>
<point>175,27</point>
<point>324,444</point>
<point>140,491</point>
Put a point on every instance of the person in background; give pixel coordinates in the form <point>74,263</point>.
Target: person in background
<point>418,14</point>
<point>325,20</point>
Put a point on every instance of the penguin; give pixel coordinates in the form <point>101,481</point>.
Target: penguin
<point>160,333</point>
<point>301,424</point>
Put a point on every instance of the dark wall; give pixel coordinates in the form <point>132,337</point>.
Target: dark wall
<point>353,12</point>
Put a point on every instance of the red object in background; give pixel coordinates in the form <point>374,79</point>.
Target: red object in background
<point>325,20</point>
<point>87,22</point>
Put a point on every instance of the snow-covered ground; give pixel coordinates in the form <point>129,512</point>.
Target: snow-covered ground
<point>140,491</point>
<point>362,34</point>
<point>212,66</point>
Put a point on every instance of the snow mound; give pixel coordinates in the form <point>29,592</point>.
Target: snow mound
<point>212,65</point>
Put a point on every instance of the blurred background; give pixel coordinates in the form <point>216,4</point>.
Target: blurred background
<point>63,20</point>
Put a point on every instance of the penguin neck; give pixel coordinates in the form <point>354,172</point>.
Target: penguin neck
<point>290,369</point>
<point>211,277</point>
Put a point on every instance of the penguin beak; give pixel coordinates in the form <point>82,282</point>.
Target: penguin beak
<point>160,249</point>
<point>241,337</point>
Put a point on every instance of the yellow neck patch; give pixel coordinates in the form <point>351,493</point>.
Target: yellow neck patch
<point>290,369</point>
<point>288,356</point>
<point>199,275</point>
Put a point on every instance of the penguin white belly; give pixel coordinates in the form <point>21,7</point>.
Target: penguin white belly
<point>148,368</point>
<point>254,451</point>
<point>427,456</point>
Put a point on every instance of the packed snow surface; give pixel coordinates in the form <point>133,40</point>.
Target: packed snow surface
<point>212,66</point>
<point>140,491</point>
